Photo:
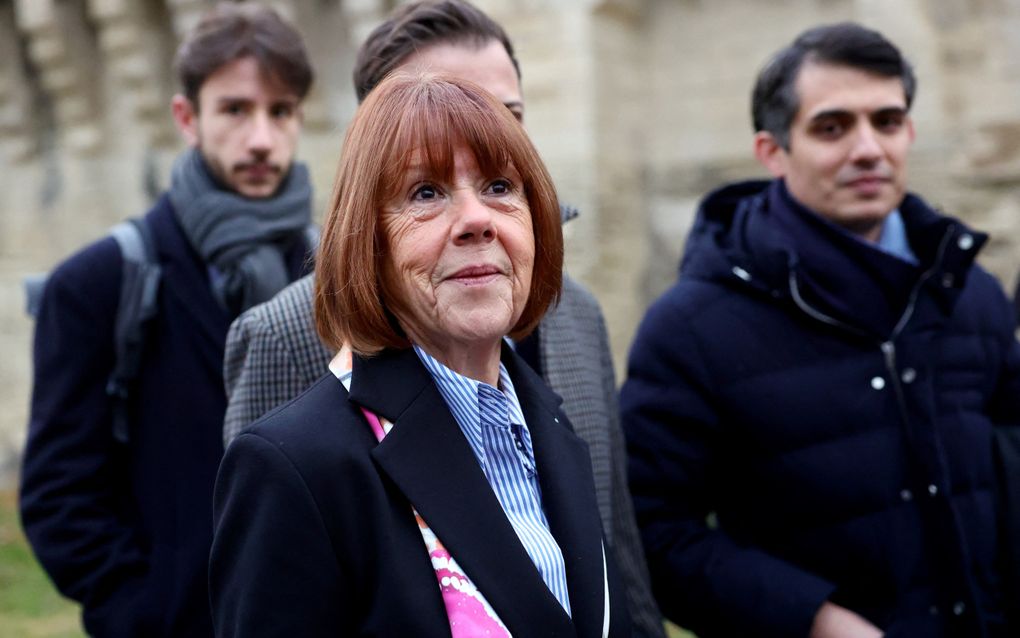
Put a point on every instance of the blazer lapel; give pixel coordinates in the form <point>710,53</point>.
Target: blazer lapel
<point>427,456</point>
<point>568,496</point>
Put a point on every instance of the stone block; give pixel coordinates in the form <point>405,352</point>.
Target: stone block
<point>35,15</point>
<point>73,109</point>
<point>149,103</point>
<point>18,149</point>
<point>47,49</point>
<point>119,38</point>
<point>185,14</point>
<point>133,69</point>
<point>59,81</point>
<point>103,10</point>
<point>83,138</point>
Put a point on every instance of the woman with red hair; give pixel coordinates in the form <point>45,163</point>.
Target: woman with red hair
<point>428,484</point>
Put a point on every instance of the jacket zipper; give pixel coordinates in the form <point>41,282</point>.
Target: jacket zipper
<point>888,346</point>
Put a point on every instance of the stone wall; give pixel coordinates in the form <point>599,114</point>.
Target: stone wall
<point>638,107</point>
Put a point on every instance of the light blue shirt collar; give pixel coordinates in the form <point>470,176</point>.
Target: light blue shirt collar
<point>893,239</point>
<point>462,396</point>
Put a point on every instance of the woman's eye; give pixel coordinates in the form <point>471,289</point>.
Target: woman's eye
<point>425,192</point>
<point>500,187</point>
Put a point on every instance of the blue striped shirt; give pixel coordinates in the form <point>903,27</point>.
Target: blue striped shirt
<point>493,423</point>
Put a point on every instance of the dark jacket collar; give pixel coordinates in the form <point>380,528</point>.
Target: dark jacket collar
<point>753,234</point>
<point>840,274</point>
<point>428,458</point>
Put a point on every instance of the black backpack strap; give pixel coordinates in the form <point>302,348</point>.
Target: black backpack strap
<point>138,297</point>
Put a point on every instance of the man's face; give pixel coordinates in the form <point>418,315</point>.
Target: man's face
<point>246,127</point>
<point>488,66</point>
<point>848,146</point>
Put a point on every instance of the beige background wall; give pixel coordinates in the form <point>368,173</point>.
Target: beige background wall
<point>638,107</point>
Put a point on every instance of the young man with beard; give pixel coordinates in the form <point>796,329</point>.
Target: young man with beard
<point>274,352</point>
<point>121,516</point>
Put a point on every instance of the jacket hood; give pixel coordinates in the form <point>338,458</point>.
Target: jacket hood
<point>755,235</point>
<point>732,237</point>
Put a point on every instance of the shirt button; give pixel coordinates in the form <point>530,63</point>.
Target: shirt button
<point>965,242</point>
<point>933,489</point>
<point>959,608</point>
<point>878,383</point>
<point>948,280</point>
<point>909,375</point>
<point>933,610</point>
<point>906,495</point>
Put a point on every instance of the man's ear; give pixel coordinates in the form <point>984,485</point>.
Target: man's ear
<point>186,118</point>
<point>770,153</point>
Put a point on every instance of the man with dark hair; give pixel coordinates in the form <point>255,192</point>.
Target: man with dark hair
<point>418,25</point>
<point>810,409</point>
<point>116,491</point>
<point>274,353</point>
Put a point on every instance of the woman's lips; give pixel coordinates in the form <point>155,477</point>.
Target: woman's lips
<point>475,275</point>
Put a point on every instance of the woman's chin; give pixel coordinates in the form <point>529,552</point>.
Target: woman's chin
<point>477,330</point>
<point>480,334</point>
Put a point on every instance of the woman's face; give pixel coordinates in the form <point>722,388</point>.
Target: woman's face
<point>460,254</point>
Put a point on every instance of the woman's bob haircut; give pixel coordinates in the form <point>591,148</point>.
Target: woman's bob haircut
<point>426,114</point>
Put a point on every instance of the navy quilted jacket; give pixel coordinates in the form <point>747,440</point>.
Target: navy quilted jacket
<point>810,419</point>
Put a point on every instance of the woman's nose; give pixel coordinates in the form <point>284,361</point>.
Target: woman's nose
<point>474,220</point>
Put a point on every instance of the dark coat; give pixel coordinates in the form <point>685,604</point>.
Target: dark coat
<point>315,535</point>
<point>125,529</point>
<point>834,407</point>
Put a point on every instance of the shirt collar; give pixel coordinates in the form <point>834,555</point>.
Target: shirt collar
<point>462,396</point>
<point>893,239</point>
<point>459,392</point>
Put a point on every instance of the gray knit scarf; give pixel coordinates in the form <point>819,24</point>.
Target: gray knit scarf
<point>243,240</point>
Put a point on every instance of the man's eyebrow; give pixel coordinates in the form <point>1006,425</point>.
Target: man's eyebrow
<point>231,99</point>
<point>841,113</point>
<point>831,113</point>
<point>891,110</point>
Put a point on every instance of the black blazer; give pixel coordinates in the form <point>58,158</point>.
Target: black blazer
<point>315,536</point>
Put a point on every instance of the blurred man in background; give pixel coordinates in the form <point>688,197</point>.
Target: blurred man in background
<point>116,491</point>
